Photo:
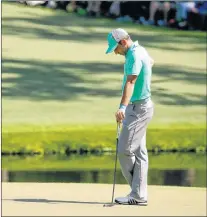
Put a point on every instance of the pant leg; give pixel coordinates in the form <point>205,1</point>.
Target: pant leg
<point>90,6</point>
<point>140,172</point>
<point>185,7</point>
<point>97,6</point>
<point>132,150</point>
<point>126,157</point>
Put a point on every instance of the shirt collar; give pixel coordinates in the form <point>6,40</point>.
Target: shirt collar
<point>134,44</point>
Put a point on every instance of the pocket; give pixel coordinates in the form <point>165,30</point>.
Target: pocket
<point>139,108</point>
<point>143,112</point>
<point>133,110</point>
<point>130,115</point>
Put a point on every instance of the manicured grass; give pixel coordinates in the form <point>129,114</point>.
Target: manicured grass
<point>55,71</point>
<point>56,76</point>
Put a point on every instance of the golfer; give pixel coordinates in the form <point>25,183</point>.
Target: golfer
<point>135,112</point>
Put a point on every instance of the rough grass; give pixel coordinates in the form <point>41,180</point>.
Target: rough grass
<point>100,139</point>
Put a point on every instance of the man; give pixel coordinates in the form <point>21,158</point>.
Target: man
<point>135,112</point>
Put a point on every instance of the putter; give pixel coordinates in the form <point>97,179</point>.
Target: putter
<point>117,139</point>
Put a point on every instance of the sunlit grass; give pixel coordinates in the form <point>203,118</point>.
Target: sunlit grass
<point>55,71</point>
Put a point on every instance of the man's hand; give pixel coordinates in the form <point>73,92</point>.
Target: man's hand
<point>127,93</point>
<point>120,115</point>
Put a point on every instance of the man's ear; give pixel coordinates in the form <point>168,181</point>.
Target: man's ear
<point>123,42</point>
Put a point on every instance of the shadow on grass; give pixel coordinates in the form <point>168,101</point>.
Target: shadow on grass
<point>40,27</point>
<point>38,80</point>
<point>54,201</point>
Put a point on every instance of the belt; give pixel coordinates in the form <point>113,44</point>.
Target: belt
<point>140,101</point>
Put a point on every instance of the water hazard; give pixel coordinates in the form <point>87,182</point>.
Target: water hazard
<point>187,170</point>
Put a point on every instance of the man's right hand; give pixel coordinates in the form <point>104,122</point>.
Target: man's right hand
<point>120,115</point>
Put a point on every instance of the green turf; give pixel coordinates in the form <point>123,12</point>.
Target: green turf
<point>55,71</point>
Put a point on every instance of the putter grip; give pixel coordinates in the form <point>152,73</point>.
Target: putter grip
<point>118,131</point>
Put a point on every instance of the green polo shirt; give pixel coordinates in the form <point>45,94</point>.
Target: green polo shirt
<point>138,63</point>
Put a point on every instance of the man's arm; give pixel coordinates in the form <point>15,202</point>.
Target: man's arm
<point>133,69</point>
<point>127,94</point>
<point>128,89</point>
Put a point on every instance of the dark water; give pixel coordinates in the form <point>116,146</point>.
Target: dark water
<point>190,177</point>
<point>191,172</point>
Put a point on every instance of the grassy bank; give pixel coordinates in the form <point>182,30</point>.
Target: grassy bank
<point>100,168</point>
<point>37,168</point>
<point>100,162</point>
<point>99,139</point>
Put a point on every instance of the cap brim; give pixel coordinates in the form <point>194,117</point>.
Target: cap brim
<point>111,48</point>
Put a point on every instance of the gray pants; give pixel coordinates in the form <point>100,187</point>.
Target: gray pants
<point>132,151</point>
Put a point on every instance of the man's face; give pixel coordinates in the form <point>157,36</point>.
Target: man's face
<point>121,48</point>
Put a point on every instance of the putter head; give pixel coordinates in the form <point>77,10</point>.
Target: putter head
<point>108,205</point>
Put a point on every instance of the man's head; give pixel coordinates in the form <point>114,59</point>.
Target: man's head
<point>118,41</point>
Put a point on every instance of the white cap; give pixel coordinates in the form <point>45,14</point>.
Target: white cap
<point>114,38</point>
<point>119,34</point>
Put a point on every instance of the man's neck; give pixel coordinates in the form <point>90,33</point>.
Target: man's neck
<point>129,44</point>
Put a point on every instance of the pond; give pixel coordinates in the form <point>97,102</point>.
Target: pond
<point>164,169</point>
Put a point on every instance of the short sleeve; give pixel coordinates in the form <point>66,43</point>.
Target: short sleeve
<point>133,65</point>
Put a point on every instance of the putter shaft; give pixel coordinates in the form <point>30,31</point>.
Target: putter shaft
<point>117,140</point>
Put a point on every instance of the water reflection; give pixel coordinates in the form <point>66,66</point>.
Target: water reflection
<point>179,177</point>
<point>179,169</point>
<point>190,177</point>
